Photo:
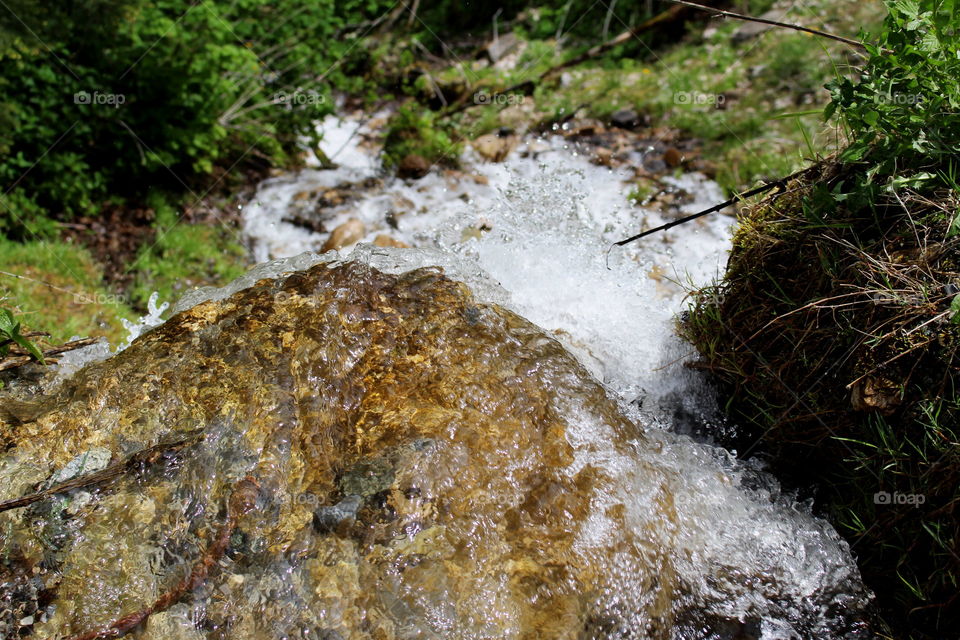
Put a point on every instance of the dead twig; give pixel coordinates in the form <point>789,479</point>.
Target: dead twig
<point>147,456</point>
<point>666,16</point>
<point>242,500</point>
<point>12,362</point>
<point>781,183</point>
<point>775,23</point>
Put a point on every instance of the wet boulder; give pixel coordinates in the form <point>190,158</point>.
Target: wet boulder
<point>354,455</point>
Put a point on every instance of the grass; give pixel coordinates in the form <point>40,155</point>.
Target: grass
<point>755,105</point>
<point>412,131</point>
<point>59,290</point>
<point>58,287</point>
<point>184,256</point>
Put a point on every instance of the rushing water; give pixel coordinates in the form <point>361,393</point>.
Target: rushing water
<point>535,235</point>
<point>549,217</point>
<point>532,235</point>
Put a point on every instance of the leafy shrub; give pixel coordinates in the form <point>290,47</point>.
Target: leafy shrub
<point>108,98</point>
<point>835,329</point>
<point>903,115</point>
<point>415,130</point>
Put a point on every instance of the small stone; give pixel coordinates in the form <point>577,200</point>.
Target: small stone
<point>672,157</point>
<point>331,198</point>
<point>413,166</point>
<point>502,46</point>
<point>494,148</point>
<point>26,622</point>
<point>348,233</point>
<point>749,30</point>
<point>383,240</point>
<point>603,157</point>
<point>625,119</point>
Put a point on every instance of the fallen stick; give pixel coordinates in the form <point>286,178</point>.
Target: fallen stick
<point>670,14</point>
<point>147,456</point>
<point>699,214</point>
<point>665,16</point>
<point>775,23</point>
<point>717,207</point>
<point>242,500</point>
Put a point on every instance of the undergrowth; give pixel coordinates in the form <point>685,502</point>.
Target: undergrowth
<point>836,327</point>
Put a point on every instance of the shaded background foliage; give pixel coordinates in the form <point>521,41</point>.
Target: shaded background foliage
<point>202,84</point>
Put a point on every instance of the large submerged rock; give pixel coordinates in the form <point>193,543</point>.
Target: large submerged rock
<point>427,466</point>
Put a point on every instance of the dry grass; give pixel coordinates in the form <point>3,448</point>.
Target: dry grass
<point>835,334</point>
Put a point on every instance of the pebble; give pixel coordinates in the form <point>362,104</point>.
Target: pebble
<point>413,166</point>
<point>383,240</point>
<point>625,119</point>
<point>672,157</point>
<point>348,233</point>
<point>493,147</point>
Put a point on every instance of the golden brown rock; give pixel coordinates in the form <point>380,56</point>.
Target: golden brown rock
<point>672,157</point>
<point>413,166</point>
<point>348,233</point>
<point>493,147</point>
<point>603,157</point>
<point>426,466</point>
<point>384,240</point>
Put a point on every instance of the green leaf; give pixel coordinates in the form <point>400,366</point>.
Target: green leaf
<point>10,330</point>
<point>30,348</point>
<point>955,308</point>
<point>8,325</point>
<point>954,227</point>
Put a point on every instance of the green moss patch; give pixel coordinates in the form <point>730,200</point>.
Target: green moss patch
<point>59,290</point>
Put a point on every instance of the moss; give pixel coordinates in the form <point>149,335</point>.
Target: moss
<point>59,290</point>
<point>834,337</point>
<point>413,130</point>
<point>756,105</point>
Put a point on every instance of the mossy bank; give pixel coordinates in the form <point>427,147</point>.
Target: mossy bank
<point>834,332</point>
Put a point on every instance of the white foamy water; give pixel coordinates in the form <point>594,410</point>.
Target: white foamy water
<point>534,234</point>
<point>541,226</point>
